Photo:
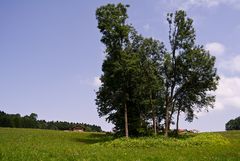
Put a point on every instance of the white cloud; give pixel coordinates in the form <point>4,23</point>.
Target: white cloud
<point>146,27</point>
<point>234,3</point>
<point>228,93</point>
<point>97,82</point>
<point>187,4</point>
<point>232,65</point>
<point>215,48</point>
<point>229,63</point>
<point>208,3</point>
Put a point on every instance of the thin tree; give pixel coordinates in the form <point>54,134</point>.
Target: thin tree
<point>189,71</point>
<point>114,95</point>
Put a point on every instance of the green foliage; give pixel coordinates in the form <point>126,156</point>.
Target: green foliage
<point>15,120</point>
<point>189,72</point>
<point>142,81</point>
<point>209,139</point>
<point>118,67</point>
<point>233,124</point>
<point>131,79</point>
<point>49,145</point>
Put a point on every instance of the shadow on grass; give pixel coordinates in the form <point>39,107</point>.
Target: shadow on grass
<point>93,138</point>
<point>101,138</point>
<point>182,136</point>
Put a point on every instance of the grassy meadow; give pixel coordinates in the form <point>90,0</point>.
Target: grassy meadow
<point>49,145</point>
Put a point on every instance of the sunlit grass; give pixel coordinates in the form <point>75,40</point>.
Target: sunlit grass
<point>204,139</point>
<point>36,145</point>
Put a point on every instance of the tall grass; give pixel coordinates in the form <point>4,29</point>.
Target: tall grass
<point>204,139</point>
<point>47,145</point>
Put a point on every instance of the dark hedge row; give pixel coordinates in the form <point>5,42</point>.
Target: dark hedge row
<point>18,121</point>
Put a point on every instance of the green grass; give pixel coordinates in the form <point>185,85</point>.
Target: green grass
<point>44,145</point>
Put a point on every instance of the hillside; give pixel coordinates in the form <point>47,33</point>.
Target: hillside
<point>34,144</point>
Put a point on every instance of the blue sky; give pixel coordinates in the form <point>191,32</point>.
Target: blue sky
<point>51,55</point>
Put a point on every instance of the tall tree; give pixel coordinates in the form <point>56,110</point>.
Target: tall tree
<point>151,61</point>
<point>142,81</point>
<point>149,80</point>
<point>113,95</point>
<point>189,71</point>
<point>131,78</point>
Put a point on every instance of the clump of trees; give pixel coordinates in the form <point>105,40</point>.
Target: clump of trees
<point>145,85</point>
<point>18,121</point>
<point>233,124</point>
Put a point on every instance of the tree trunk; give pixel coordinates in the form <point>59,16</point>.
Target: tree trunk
<point>154,125</point>
<point>153,115</point>
<point>126,120</point>
<point>166,122</point>
<point>178,114</point>
<point>171,114</point>
<point>167,118</point>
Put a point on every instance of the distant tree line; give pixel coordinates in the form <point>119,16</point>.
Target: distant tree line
<point>18,121</point>
<point>147,84</point>
<point>233,124</point>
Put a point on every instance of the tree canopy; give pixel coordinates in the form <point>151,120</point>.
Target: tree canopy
<point>233,124</point>
<point>144,84</point>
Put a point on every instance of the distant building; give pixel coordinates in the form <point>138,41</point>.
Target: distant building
<point>185,131</point>
<point>182,130</point>
<point>78,129</point>
<point>195,131</point>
